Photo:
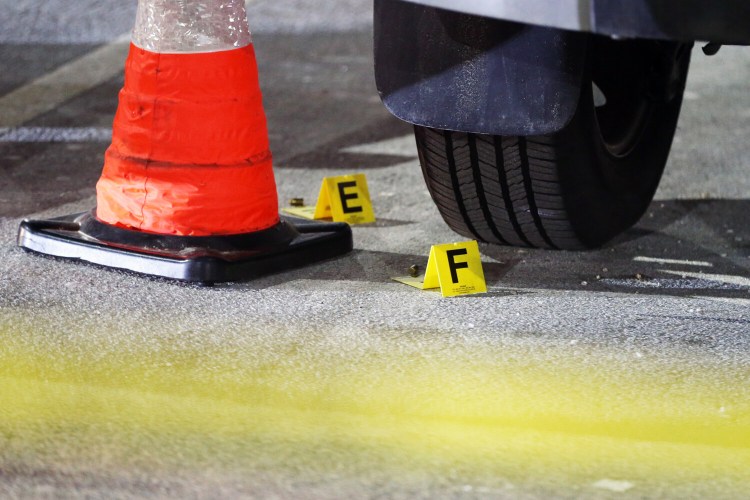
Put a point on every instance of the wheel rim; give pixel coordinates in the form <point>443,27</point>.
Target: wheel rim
<point>624,73</point>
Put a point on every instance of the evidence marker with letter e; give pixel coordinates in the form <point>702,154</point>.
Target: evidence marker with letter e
<point>455,268</point>
<point>344,198</point>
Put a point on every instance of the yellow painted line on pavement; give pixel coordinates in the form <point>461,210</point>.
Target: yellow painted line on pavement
<point>488,411</point>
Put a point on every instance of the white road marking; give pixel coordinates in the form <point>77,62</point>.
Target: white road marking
<point>55,134</point>
<point>730,300</point>
<point>64,21</point>
<point>655,260</point>
<point>398,146</point>
<point>689,95</point>
<point>70,80</point>
<point>634,283</point>
<point>721,278</point>
<point>613,485</point>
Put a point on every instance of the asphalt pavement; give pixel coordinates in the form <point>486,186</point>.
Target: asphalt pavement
<point>618,372</point>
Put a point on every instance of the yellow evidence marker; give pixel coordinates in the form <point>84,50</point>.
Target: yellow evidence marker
<point>343,199</point>
<point>456,268</point>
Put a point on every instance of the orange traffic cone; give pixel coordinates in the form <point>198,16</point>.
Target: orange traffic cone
<point>188,191</point>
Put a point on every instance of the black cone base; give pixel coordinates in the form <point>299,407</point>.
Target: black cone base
<point>205,259</point>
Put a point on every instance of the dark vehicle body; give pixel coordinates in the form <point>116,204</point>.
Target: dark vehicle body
<point>544,122</point>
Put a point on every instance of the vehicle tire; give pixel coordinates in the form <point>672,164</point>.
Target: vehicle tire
<point>581,186</point>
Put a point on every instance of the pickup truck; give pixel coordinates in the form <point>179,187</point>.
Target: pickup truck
<point>544,123</point>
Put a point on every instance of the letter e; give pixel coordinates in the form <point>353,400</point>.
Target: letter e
<point>351,196</point>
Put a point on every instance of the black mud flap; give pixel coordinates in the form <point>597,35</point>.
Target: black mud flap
<point>203,259</point>
<point>453,71</point>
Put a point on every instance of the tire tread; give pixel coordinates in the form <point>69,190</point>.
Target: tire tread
<point>502,190</point>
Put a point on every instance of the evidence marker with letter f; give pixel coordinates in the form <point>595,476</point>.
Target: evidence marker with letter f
<point>455,268</point>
